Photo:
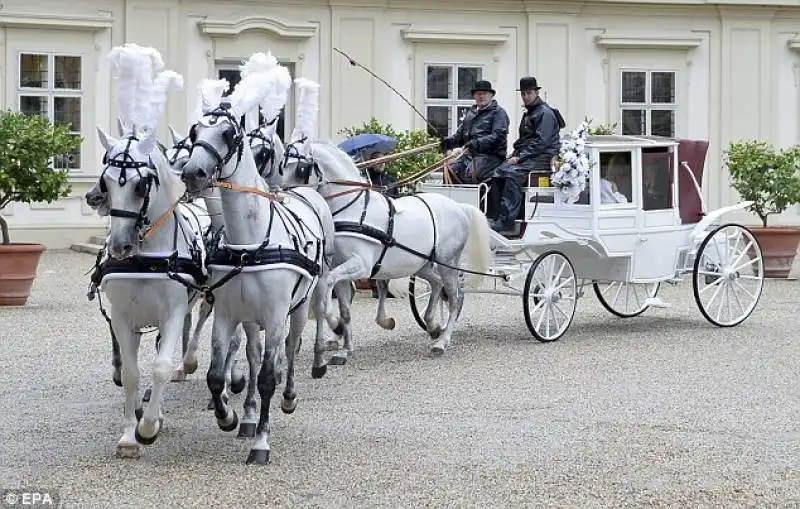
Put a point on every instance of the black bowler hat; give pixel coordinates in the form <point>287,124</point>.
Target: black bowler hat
<point>482,86</point>
<point>528,83</point>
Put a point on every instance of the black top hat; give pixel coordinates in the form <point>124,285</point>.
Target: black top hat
<point>482,86</point>
<point>528,83</point>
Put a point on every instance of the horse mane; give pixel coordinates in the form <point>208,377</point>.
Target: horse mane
<point>335,162</point>
<point>169,181</point>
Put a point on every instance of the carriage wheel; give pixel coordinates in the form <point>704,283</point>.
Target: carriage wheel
<point>550,296</point>
<point>627,299</point>
<point>419,293</point>
<point>728,275</point>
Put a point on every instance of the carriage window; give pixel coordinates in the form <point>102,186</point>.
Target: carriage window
<point>657,176</point>
<point>616,178</point>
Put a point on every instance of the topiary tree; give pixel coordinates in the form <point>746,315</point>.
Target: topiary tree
<point>28,143</point>
<point>765,176</point>
<point>406,140</point>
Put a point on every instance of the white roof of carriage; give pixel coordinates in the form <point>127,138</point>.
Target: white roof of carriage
<point>601,141</point>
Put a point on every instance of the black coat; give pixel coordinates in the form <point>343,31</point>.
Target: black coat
<point>384,179</point>
<point>487,126</point>
<point>539,139</point>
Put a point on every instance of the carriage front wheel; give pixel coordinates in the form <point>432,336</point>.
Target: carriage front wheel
<point>728,275</point>
<point>550,296</point>
<point>419,293</point>
<point>624,299</point>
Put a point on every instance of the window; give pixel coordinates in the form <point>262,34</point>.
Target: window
<point>616,178</point>
<point>232,74</point>
<point>648,103</point>
<point>447,94</point>
<point>657,178</point>
<point>50,85</point>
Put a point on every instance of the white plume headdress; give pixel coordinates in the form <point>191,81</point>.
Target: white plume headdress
<point>141,93</point>
<point>258,64</point>
<point>209,97</point>
<point>307,109</point>
<point>256,82</point>
<point>276,99</point>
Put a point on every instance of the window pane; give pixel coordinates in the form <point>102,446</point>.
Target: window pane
<point>67,111</point>
<point>662,123</point>
<point>33,71</point>
<point>662,87</point>
<point>634,87</point>
<point>68,72</point>
<point>616,177</point>
<point>656,180</point>
<point>633,122</point>
<point>467,76</point>
<point>70,161</point>
<point>439,118</point>
<point>33,105</point>
<point>233,77</point>
<point>462,110</point>
<point>440,82</point>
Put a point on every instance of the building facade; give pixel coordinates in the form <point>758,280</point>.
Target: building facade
<point>701,69</point>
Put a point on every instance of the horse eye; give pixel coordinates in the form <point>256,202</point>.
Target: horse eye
<point>193,133</point>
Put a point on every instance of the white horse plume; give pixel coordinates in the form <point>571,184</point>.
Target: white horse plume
<point>253,87</point>
<point>276,98</point>
<point>307,109</point>
<point>258,63</point>
<point>209,95</point>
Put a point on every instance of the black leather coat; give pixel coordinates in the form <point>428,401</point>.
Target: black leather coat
<point>539,139</point>
<point>487,126</point>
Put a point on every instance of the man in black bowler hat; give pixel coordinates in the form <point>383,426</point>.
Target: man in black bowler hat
<point>539,140</point>
<point>484,133</point>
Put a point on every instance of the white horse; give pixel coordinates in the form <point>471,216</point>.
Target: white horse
<point>151,247</point>
<point>381,238</point>
<point>275,256</point>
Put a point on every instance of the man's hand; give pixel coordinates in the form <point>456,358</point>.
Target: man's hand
<point>513,160</point>
<point>471,145</point>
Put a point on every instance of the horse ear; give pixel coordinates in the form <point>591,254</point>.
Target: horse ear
<point>120,128</point>
<point>108,141</point>
<point>176,138</point>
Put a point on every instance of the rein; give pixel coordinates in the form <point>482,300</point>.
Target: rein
<point>246,189</point>
<point>161,220</point>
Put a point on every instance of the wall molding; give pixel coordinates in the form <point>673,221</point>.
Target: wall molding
<point>222,28</point>
<point>439,36</point>
<point>794,44</point>
<point>607,41</point>
<point>56,21</point>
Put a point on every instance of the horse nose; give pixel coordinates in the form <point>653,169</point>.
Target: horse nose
<point>126,249</point>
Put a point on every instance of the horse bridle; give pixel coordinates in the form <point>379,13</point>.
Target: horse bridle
<point>266,153</point>
<point>124,161</point>
<point>233,137</point>
<point>304,166</point>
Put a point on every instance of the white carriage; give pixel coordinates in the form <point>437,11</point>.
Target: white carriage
<point>640,222</point>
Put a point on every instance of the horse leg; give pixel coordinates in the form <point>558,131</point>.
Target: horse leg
<point>190,356</point>
<point>343,291</point>
<point>116,361</point>
<point>247,428</point>
<point>151,422</point>
<point>230,368</point>
<point>128,344</point>
<point>381,319</point>
<point>431,320</point>
<point>297,322</point>
<point>180,374</point>
<point>455,299</point>
<point>149,390</point>
<point>320,305</point>
<point>221,334</point>
<point>336,323</point>
<point>273,335</point>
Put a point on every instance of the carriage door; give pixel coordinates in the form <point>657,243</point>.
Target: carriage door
<point>230,71</point>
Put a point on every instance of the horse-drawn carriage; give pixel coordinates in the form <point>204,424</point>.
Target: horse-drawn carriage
<point>640,222</point>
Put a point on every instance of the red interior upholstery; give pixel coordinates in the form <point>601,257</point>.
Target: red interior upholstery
<point>693,152</point>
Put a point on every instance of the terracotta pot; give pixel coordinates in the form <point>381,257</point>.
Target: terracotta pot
<point>779,247</point>
<point>18,264</point>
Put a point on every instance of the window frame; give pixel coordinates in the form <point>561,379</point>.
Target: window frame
<point>648,106</point>
<point>51,92</point>
<point>454,103</point>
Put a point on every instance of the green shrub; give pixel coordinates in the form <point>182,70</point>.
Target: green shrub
<point>603,129</point>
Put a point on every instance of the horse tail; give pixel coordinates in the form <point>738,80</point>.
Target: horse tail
<point>478,247</point>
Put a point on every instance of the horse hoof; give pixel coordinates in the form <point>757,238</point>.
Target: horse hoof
<point>190,367</point>
<point>238,385</point>
<point>435,333</point>
<point>139,413</point>
<point>247,430</point>
<point>145,440</point>
<point>332,346</point>
<point>147,394</point>
<point>258,457</point>
<point>289,405</point>
<point>338,360</point>
<point>210,405</point>
<point>178,376</point>
<point>128,451</point>
<point>230,426</point>
<point>117,377</point>
<point>319,372</point>
<point>391,324</point>
<point>437,351</point>
<point>339,329</point>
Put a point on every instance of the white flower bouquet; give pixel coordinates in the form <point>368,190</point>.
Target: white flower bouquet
<point>571,166</point>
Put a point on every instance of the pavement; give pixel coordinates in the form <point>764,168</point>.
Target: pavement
<point>662,410</point>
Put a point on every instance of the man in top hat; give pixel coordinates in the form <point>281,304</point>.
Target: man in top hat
<point>539,140</point>
<point>483,133</point>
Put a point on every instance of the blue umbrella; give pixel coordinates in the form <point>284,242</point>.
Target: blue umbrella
<point>368,141</point>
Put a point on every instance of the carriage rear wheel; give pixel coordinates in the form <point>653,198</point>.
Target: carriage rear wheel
<point>627,299</point>
<point>728,275</point>
<point>550,296</point>
<point>419,293</point>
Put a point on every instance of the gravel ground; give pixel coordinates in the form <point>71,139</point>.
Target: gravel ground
<point>663,410</point>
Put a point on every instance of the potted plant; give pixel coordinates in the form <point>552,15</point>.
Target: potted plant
<point>28,144</point>
<point>771,180</point>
